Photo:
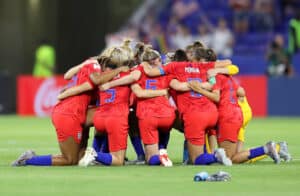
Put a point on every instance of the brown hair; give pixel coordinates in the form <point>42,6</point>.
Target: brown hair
<point>211,55</point>
<point>198,44</point>
<point>179,56</point>
<point>199,54</point>
<point>138,51</point>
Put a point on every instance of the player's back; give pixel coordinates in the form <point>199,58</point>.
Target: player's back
<point>186,72</point>
<point>228,105</point>
<point>77,105</point>
<point>115,101</point>
<point>156,106</point>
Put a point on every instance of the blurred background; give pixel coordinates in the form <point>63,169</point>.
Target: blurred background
<point>261,36</point>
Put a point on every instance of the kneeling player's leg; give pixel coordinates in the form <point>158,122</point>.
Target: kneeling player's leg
<point>211,140</point>
<point>117,140</point>
<point>164,127</point>
<point>134,134</point>
<point>70,153</point>
<point>228,136</point>
<point>69,135</point>
<point>152,154</point>
<point>195,135</point>
<point>269,149</point>
<point>149,135</point>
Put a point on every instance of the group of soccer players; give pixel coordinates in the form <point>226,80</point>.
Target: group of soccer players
<point>128,90</point>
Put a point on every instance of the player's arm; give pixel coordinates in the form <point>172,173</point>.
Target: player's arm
<point>228,70</point>
<point>72,71</point>
<point>206,85</point>
<point>147,93</point>
<point>101,78</point>
<point>212,95</point>
<point>241,92</point>
<point>222,63</point>
<point>179,86</point>
<point>129,79</point>
<point>75,90</point>
<point>152,71</point>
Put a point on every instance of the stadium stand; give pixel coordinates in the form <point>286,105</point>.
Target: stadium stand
<point>271,16</point>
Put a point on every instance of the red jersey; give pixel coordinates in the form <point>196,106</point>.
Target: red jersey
<point>115,101</point>
<point>156,106</point>
<point>185,72</point>
<point>228,107</point>
<point>77,105</point>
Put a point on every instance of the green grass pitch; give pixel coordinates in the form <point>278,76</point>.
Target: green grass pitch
<point>18,134</point>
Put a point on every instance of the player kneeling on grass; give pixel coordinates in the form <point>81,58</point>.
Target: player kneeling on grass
<point>155,113</point>
<point>230,121</point>
<point>281,147</point>
<point>198,113</point>
<point>68,117</point>
<point>153,109</point>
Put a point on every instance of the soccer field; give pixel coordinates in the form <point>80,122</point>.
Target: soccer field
<point>262,178</point>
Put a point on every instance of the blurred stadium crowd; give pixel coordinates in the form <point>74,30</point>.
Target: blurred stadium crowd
<point>240,29</point>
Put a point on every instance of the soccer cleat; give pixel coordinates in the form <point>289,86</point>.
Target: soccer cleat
<point>88,158</point>
<point>222,158</point>
<point>284,152</point>
<point>271,151</point>
<point>21,161</point>
<point>164,159</point>
<point>219,176</point>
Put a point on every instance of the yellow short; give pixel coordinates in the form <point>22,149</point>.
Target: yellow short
<point>247,116</point>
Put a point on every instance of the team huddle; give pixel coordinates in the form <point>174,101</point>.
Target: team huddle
<point>129,91</point>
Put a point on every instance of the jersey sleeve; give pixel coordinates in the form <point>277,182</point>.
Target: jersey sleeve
<point>217,85</point>
<point>92,68</point>
<point>167,69</point>
<point>208,65</point>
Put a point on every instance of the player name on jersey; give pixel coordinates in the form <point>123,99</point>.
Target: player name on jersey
<point>191,70</point>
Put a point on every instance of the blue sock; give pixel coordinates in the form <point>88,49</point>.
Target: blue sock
<point>163,140</point>
<point>98,141</point>
<point>154,160</point>
<point>185,155</point>
<point>205,159</point>
<point>256,152</point>
<point>104,147</point>
<point>104,158</point>
<point>137,145</point>
<point>45,160</point>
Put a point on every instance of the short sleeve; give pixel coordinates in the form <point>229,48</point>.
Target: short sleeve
<point>168,69</point>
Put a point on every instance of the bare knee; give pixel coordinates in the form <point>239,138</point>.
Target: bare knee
<point>118,161</point>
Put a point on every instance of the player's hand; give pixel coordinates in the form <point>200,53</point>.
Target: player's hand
<point>212,73</point>
<point>104,86</point>
<point>206,85</point>
<point>195,85</point>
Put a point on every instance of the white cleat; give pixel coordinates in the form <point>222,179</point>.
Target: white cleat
<point>88,158</point>
<point>271,148</point>
<point>284,152</point>
<point>164,159</point>
<point>222,158</point>
<point>21,161</point>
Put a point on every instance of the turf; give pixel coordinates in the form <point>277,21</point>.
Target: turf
<point>262,178</point>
